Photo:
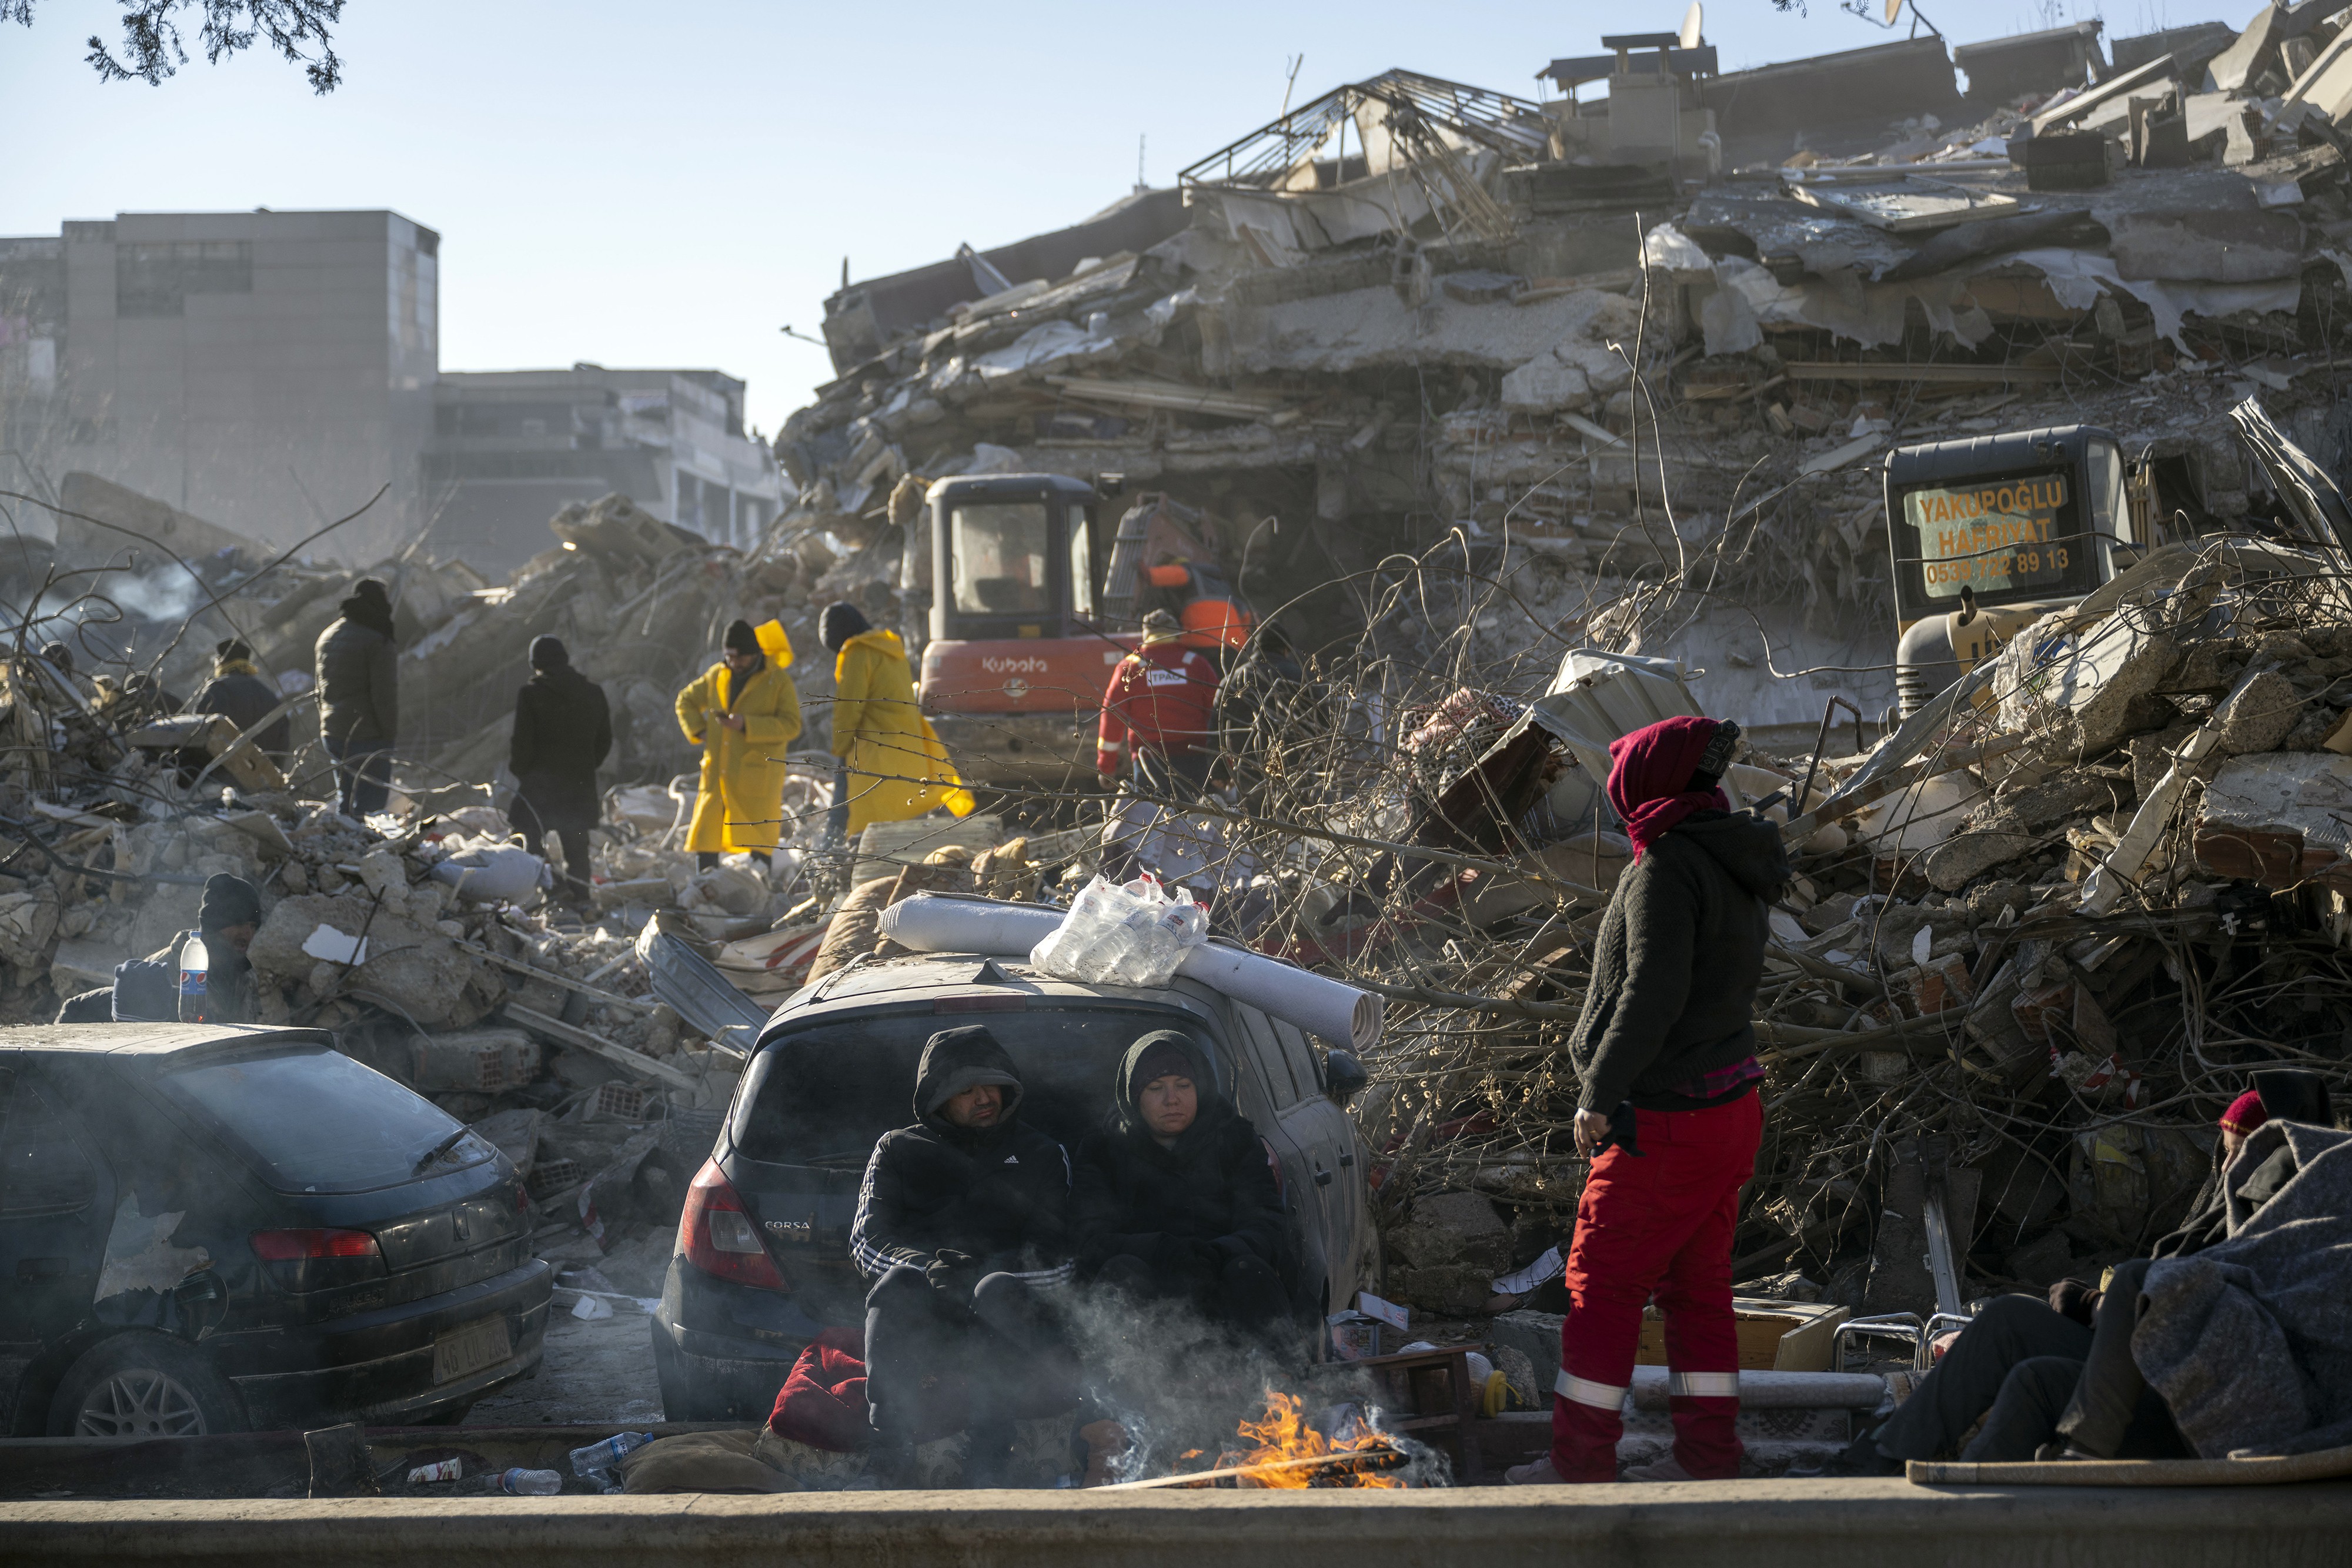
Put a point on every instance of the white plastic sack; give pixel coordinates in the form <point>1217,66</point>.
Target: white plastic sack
<point>494,875</point>
<point>1133,934</point>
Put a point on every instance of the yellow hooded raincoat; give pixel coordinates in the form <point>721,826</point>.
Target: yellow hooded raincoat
<point>898,768</point>
<point>742,802</point>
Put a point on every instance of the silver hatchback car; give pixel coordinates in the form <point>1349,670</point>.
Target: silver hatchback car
<point>762,1260</point>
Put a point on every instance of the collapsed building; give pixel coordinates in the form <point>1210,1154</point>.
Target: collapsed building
<point>1461,389</point>
<point>1465,383</point>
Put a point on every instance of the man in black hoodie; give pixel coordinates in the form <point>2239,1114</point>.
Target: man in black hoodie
<point>1668,1112</point>
<point>359,697</point>
<point>1173,1198</point>
<point>563,733</point>
<point>962,1220</point>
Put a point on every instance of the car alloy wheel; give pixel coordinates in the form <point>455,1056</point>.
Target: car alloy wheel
<point>139,1402</point>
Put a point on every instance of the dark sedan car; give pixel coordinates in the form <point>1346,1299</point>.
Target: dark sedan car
<point>212,1228</point>
<point>762,1261</point>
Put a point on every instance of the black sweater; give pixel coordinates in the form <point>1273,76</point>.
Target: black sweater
<point>1000,1194</point>
<point>1676,963</point>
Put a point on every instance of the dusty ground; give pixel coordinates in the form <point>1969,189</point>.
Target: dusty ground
<point>594,1371</point>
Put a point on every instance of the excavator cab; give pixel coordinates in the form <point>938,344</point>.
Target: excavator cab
<point>1026,628</point>
<point>1991,533</point>
<point>1012,557</point>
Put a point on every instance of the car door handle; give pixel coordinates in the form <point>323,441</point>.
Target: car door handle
<point>1347,1162</point>
<point>1322,1178</point>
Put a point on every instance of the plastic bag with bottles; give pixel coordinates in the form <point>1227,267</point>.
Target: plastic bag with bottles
<point>1129,935</point>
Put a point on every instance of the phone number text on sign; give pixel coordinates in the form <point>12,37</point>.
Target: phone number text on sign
<point>1989,538</point>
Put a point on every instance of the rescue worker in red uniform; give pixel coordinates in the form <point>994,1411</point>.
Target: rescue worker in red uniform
<point>1668,1112</point>
<point>1157,713</point>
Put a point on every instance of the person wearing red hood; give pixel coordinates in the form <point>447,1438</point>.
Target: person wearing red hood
<point>1668,1112</point>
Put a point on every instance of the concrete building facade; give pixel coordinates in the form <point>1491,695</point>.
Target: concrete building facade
<point>270,371</point>
<point>511,447</point>
<point>266,371</point>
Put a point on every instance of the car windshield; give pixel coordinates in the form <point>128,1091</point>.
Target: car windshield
<point>822,1096</point>
<point>312,1120</point>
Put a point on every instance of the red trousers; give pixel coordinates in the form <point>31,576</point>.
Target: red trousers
<point>1657,1226</point>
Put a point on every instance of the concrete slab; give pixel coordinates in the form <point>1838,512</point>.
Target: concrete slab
<point>1740,1524</point>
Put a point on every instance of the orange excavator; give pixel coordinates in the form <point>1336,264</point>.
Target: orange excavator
<point>1025,632</point>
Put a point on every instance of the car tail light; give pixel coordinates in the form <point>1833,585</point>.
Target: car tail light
<point>720,1236</point>
<point>305,1260</point>
<point>300,1246</point>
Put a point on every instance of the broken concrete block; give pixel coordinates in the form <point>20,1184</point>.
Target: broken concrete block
<point>2278,819</point>
<point>1967,856</point>
<point>1545,385</point>
<point>2108,714</point>
<point>2070,794</point>
<point>481,1061</point>
<point>435,983</point>
<point>2258,715</point>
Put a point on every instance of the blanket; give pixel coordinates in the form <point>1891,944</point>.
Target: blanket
<point>2249,1341</point>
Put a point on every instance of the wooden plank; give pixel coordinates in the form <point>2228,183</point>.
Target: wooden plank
<point>2159,69</point>
<point>621,1056</point>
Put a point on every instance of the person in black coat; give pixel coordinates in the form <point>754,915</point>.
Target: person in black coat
<point>563,733</point>
<point>238,692</point>
<point>962,1220</point>
<point>1174,1199</point>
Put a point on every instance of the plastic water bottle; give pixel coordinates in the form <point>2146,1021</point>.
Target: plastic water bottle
<point>603,1455</point>
<point>196,972</point>
<point>519,1483</point>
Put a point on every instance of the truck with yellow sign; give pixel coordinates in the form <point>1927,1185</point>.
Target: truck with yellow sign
<point>1992,532</point>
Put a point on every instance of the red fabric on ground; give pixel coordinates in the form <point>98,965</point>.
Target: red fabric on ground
<point>1660,1226</point>
<point>1648,771</point>
<point>823,1402</point>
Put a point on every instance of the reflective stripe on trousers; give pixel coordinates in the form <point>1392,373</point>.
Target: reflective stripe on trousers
<point>1584,1391</point>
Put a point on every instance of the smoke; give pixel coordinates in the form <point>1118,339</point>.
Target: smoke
<point>1180,1386</point>
<point>163,593</point>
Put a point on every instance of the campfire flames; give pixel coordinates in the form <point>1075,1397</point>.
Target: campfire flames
<point>1289,1453</point>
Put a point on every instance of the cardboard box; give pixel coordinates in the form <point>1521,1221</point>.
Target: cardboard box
<point>1776,1336</point>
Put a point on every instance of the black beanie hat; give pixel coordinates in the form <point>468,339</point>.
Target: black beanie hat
<point>740,638</point>
<point>838,623</point>
<point>372,590</point>
<point>549,654</point>
<point>232,648</point>
<point>1166,1060</point>
<point>227,901</point>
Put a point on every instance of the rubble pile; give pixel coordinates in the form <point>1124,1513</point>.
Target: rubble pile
<point>433,947</point>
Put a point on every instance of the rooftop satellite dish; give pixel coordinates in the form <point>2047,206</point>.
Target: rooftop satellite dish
<point>1893,9</point>
<point>1691,19</point>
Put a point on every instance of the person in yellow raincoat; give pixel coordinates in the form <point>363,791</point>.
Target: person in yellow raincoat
<point>743,712</point>
<point>893,767</point>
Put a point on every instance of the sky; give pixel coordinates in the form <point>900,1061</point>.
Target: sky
<point>671,184</point>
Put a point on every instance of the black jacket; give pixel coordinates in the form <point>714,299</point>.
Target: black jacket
<point>1213,1189</point>
<point>359,685</point>
<point>1000,1194</point>
<point>563,733</point>
<point>246,700</point>
<point>1675,965</point>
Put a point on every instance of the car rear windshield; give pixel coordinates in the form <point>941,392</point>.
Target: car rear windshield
<point>822,1096</point>
<point>310,1119</point>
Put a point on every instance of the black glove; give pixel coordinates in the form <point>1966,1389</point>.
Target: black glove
<point>953,1274</point>
<point>2076,1300</point>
